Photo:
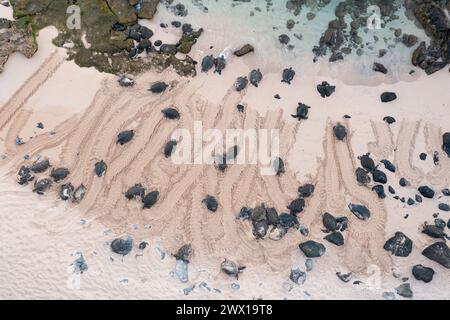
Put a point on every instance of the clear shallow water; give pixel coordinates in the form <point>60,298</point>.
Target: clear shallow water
<point>229,24</point>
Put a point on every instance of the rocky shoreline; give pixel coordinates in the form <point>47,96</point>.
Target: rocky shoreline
<point>342,38</point>
<point>16,36</point>
<point>108,27</point>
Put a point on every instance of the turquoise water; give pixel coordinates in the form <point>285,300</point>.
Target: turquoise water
<point>229,24</point>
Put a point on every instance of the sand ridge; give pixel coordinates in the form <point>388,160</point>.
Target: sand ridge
<point>48,68</point>
<point>403,155</point>
<point>440,176</point>
<point>383,147</point>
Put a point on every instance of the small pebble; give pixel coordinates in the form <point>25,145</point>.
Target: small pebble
<point>309,264</point>
<point>389,295</point>
<point>181,270</point>
<point>418,198</point>
<point>235,286</point>
<point>188,291</point>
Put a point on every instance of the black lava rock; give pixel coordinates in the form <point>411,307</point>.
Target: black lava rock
<point>296,206</point>
<point>367,162</point>
<point>125,137</point>
<point>423,273</point>
<point>438,252</point>
<point>426,191</point>
<point>312,249</point>
<point>121,246</point>
<point>388,97</point>
<point>399,245</point>
<point>404,290</point>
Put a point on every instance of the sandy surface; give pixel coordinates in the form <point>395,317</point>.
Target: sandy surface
<point>83,111</point>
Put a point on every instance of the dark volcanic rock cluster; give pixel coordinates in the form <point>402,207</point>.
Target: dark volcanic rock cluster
<point>432,16</point>
<point>341,38</point>
<point>112,30</point>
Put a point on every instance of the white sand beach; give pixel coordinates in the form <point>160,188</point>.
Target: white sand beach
<point>83,110</point>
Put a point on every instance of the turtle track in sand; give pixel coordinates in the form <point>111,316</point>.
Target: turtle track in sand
<point>383,147</point>
<point>335,179</point>
<point>404,153</point>
<point>29,88</point>
<point>365,238</point>
<point>440,176</point>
